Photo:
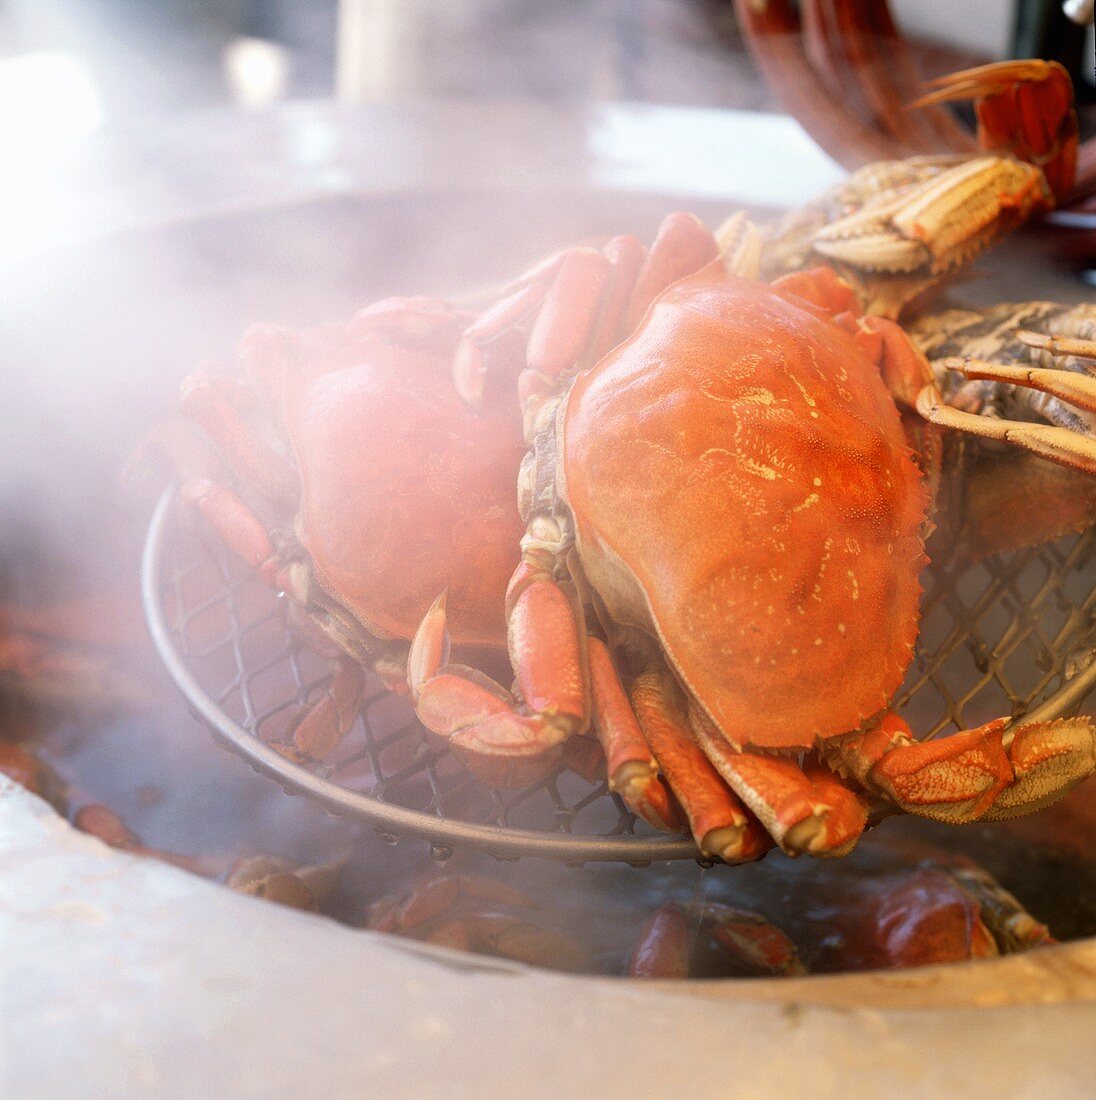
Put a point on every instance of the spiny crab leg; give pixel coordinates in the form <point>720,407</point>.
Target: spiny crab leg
<point>983,773</point>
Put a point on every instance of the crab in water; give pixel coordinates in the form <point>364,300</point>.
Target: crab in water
<point>939,911</point>
<point>724,532</point>
<point>365,485</point>
<point>473,912</point>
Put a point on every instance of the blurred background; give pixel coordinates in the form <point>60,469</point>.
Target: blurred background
<point>117,71</point>
<point>111,61</point>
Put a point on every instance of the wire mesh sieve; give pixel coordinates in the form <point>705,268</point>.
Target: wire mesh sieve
<point>1010,635</point>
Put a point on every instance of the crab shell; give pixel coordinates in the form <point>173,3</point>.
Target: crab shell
<point>403,490</point>
<point>765,514</point>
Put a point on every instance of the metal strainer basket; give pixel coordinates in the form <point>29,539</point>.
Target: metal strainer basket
<point>1011,635</point>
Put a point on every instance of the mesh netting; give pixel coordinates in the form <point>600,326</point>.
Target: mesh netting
<point>1011,635</point>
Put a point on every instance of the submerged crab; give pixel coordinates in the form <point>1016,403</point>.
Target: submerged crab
<point>939,911</point>
<point>724,534</point>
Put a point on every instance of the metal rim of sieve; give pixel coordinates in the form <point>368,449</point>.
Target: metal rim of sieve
<point>549,819</point>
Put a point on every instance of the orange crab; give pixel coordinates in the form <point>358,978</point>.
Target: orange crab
<point>843,70</point>
<point>938,911</point>
<point>365,485</point>
<point>724,527</point>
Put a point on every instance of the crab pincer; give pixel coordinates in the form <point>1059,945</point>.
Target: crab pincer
<point>499,740</point>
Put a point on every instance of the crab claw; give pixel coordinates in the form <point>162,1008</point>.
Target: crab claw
<point>1048,759</point>
<point>1025,108</point>
<point>974,774</point>
<point>480,721</point>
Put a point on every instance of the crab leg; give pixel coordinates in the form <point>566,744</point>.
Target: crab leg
<point>661,949</point>
<point>772,33</point>
<point>1011,502</point>
<point>407,320</point>
<point>628,257</point>
<point>323,725</point>
<point>854,46</point>
<point>566,293</point>
<point>909,377</point>
<point>1062,445</point>
<point>243,533</point>
<point>684,244</point>
<point>214,403</point>
<point>1064,387</point>
<point>578,304</point>
<point>1059,345</point>
<point>974,774</point>
<point>720,823</point>
<point>1013,927</point>
<point>804,809</point>
<point>755,944</point>
<point>238,527</point>
<point>1069,386</point>
<point>632,768</point>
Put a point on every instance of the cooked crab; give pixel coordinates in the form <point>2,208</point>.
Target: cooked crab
<point>675,939</point>
<point>724,535</point>
<point>365,485</point>
<point>943,909</point>
<point>472,912</point>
